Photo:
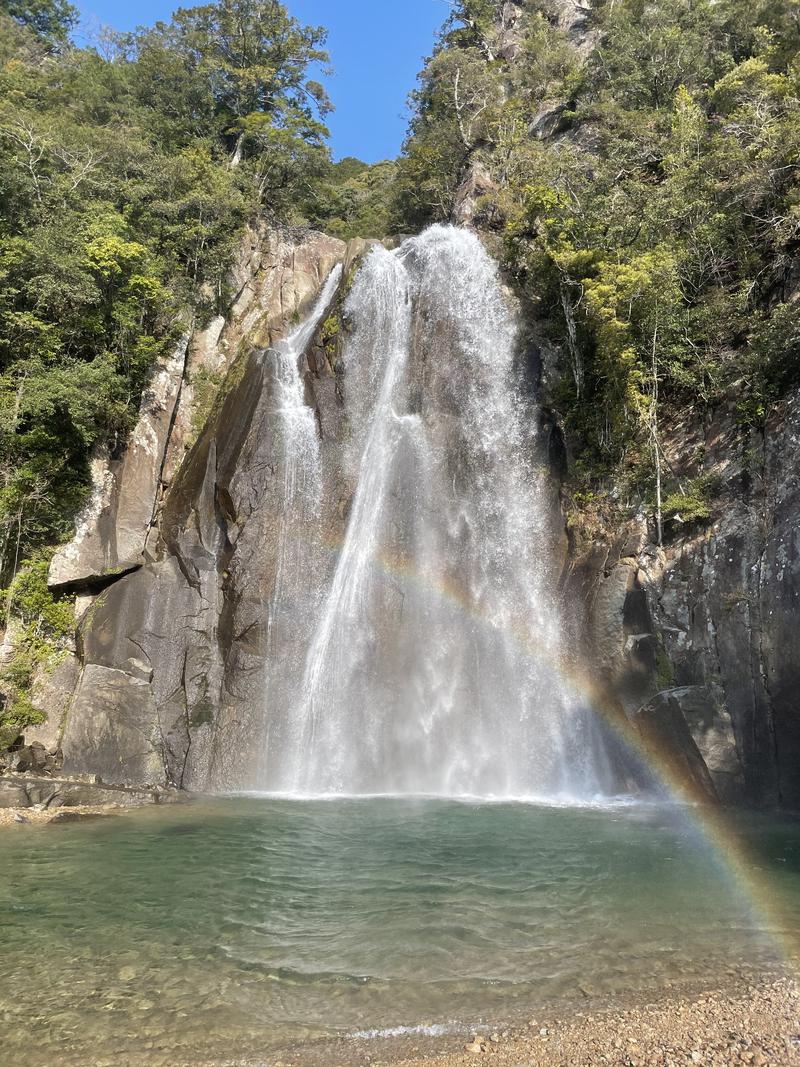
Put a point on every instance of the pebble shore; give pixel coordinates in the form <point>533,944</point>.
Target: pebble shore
<point>750,1025</point>
<point>758,1026</point>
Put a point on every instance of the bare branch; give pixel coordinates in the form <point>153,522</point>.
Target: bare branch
<point>34,150</point>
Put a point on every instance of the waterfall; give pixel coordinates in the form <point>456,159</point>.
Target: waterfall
<point>293,603</point>
<point>300,458</point>
<point>434,664</point>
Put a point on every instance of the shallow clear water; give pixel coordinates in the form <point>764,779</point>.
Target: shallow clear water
<point>226,929</point>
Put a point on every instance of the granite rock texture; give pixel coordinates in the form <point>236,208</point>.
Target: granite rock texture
<point>696,643</point>
<point>710,622</point>
<point>171,650</point>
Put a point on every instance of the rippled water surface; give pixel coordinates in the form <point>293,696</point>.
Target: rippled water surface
<point>232,928</point>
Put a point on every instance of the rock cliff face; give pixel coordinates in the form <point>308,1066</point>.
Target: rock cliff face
<point>112,530</point>
<point>709,627</point>
<point>179,552</point>
<point>168,651</point>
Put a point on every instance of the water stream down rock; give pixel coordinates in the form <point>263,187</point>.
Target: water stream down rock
<point>432,661</point>
<point>353,588</point>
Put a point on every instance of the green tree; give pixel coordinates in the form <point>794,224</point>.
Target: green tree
<point>647,188</point>
<point>125,180</point>
<point>50,20</point>
<point>240,67</point>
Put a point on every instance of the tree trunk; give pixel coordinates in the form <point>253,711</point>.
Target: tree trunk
<point>576,360</point>
<point>654,434</point>
<point>236,158</point>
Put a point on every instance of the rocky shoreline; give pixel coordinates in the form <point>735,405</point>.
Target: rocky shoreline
<point>38,816</point>
<point>42,798</point>
<point>750,1025</point>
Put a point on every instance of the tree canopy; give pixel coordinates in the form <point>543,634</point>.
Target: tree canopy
<point>127,172</point>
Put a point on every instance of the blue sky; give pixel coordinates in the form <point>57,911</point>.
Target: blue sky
<point>376,48</point>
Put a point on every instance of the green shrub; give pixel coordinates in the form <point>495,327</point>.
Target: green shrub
<point>43,626</point>
<point>692,505</point>
<point>30,600</point>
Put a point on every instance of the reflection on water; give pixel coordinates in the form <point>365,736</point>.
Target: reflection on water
<point>224,928</point>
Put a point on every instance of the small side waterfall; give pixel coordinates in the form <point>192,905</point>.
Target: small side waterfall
<point>300,455</point>
<point>294,603</point>
<point>434,665</point>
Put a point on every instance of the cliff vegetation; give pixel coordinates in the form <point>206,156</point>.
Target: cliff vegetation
<point>639,163</point>
<point>128,172</point>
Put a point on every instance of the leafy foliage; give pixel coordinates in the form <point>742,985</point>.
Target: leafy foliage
<point>127,172</point>
<point>50,20</point>
<point>687,507</point>
<point>45,626</point>
<point>353,199</point>
<point>647,193</point>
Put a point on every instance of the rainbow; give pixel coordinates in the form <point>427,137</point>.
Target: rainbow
<point>712,823</point>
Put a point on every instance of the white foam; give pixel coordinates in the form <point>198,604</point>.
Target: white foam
<point>433,1030</point>
<point>599,803</point>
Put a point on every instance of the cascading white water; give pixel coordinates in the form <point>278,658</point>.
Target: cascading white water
<point>292,606</point>
<point>435,665</point>
<point>298,436</point>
